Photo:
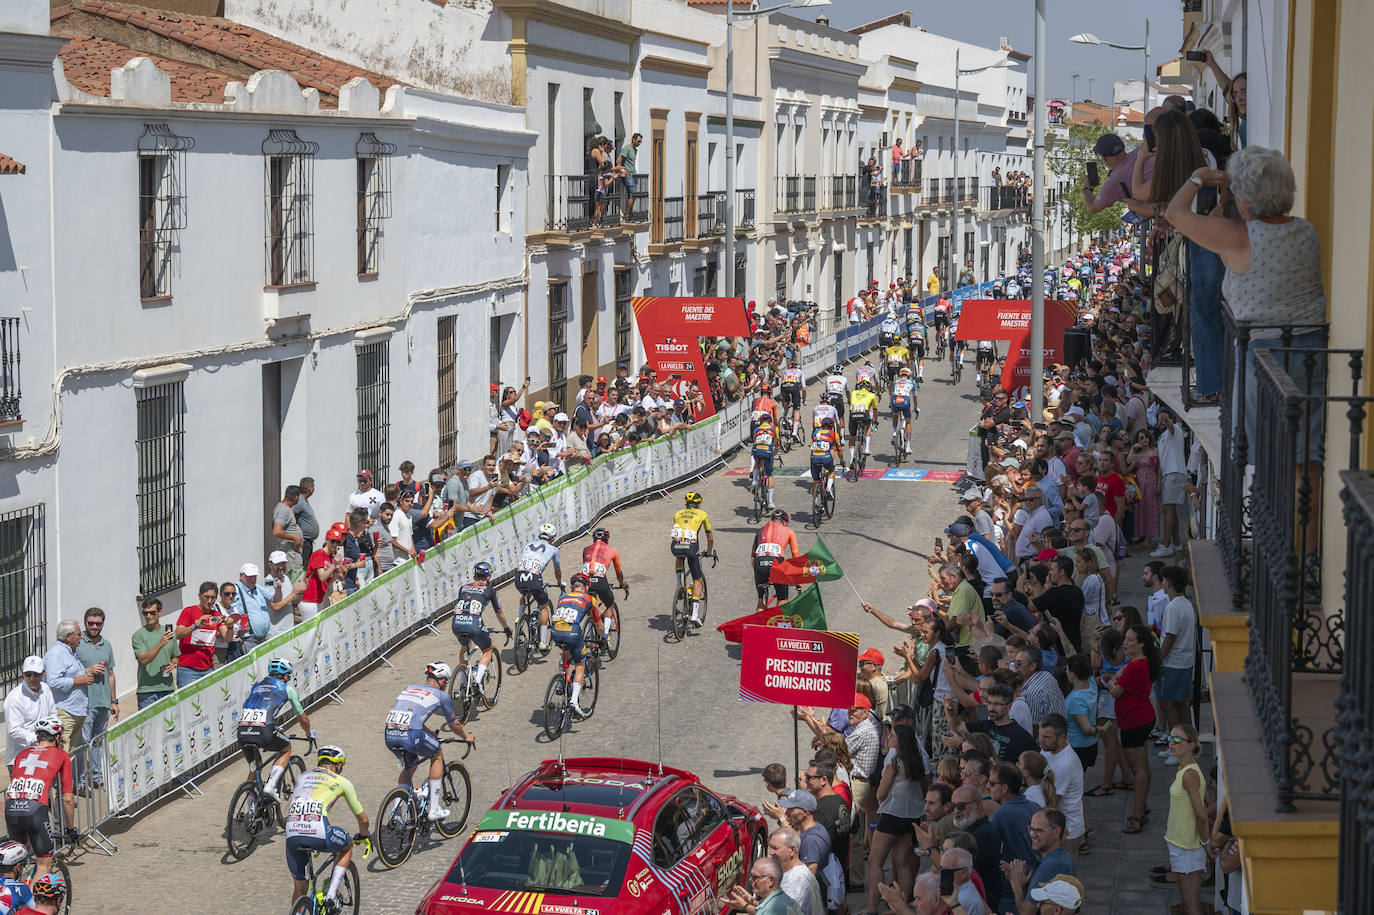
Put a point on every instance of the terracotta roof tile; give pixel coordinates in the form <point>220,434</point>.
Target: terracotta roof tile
<point>10,166</point>
<point>88,60</point>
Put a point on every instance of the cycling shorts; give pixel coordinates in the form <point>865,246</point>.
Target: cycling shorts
<point>819,464</point>
<point>858,422</point>
<point>791,396</point>
<point>474,631</point>
<point>412,747</point>
<point>901,409</point>
<point>273,741</point>
<point>764,462</point>
<point>572,640</point>
<point>985,359</point>
<point>532,583</point>
<point>918,348</point>
<point>941,320</point>
<point>31,828</point>
<point>600,585</point>
<point>761,582</point>
<point>693,563</point>
<point>298,848</point>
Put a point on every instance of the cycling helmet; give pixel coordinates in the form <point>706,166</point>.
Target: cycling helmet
<point>837,369</point>
<point>868,362</point>
<point>438,670</point>
<point>601,534</point>
<point>693,498</point>
<point>50,726</point>
<point>581,579</point>
<point>828,422</point>
<point>278,666</point>
<point>547,532</point>
<point>331,754</point>
<point>12,853</point>
<point>864,383</point>
<point>49,886</point>
<point>780,515</point>
<point>481,570</point>
<point>905,371</point>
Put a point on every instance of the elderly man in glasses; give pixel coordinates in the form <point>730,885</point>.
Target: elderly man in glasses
<point>31,700</point>
<point>764,895</point>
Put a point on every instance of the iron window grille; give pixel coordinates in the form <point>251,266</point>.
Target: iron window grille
<point>374,199</point>
<point>558,342</point>
<point>161,206</point>
<point>374,407</point>
<point>624,320</point>
<point>10,390</point>
<point>289,240</point>
<point>23,590</point>
<point>448,393</point>
<point>161,500</point>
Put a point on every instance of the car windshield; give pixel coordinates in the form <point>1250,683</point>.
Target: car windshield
<point>550,862</point>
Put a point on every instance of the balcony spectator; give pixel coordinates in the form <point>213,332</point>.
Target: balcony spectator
<point>102,707</point>
<point>155,651</point>
<point>29,701</point>
<point>628,159</point>
<point>197,627</point>
<point>366,496</point>
<point>70,680</point>
<point>1117,185</point>
<point>305,516</point>
<point>287,530</point>
<point>258,603</point>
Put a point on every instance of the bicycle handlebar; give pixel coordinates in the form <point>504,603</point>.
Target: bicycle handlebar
<point>468,744</point>
<point>715,557</point>
<point>365,842</point>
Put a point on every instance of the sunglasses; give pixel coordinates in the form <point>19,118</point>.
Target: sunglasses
<point>1173,739</point>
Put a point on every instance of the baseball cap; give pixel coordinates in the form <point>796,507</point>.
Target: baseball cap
<point>496,387</point>
<point>862,701</point>
<point>1010,462</point>
<point>276,557</point>
<point>872,655</point>
<point>601,380</point>
<point>959,529</point>
<point>437,479</point>
<point>464,465</point>
<point>970,495</point>
<point>1109,144</point>
<point>1058,891</point>
<point>679,403</point>
<point>365,473</point>
<point>798,798</point>
<point>248,569</point>
<point>33,664</point>
<point>1046,554</point>
<point>1075,410</point>
<point>560,418</point>
<point>901,711</point>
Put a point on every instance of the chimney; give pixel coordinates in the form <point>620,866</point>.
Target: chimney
<point>1004,43</point>
<point>822,19</point>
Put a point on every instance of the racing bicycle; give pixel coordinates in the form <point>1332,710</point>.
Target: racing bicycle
<point>823,498</point>
<point>610,619</point>
<point>527,634</point>
<point>939,345</point>
<point>899,441</point>
<point>404,815</point>
<point>463,687</point>
<point>682,602</point>
<point>760,490</point>
<point>860,461</point>
<point>956,368</point>
<point>28,871</point>
<point>251,811</point>
<point>558,711</point>
<point>347,899</point>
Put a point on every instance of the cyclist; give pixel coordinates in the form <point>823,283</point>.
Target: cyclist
<point>942,311</point>
<point>987,355</point>
<point>307,823</point>
<point>412,743</point>
<point>687,524</point>
<point>903,402</point>
<point>836,392</point>
<point>597,559</point>
<point>473,598</point>
<point>956,347</point>
<point>889,332</point>
<point>261,721</point>
<point>825,448</point>
<point>823,411</point>
<point>794,394</point>
<point>763,407</point>
<point>896,356</point>
<point>529,577</point>
<point>863,413</point>
<point>918,340</point>
<point>30,791</point>
<point>764,444</point>
<point>866,371</point>
<point>572,607</point>
<point>14,893</point>
<point>49,890</point>
<point>770,544</point>
<point>998,288</point>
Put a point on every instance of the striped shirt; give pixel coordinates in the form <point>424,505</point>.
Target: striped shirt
<point>863,747</point>
<point>1042,694</point>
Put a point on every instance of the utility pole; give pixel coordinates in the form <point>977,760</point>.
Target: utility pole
<point>1037,328</point>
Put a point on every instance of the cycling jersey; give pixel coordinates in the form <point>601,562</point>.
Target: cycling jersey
<point>258,718</point>
<point>473,598</point>
<point>15,896</point>
<point>898,354</point>
<point>537,556</point>
<point>865,371</point>
<point>567,619</point>
<point>599,558</point>
<point>793,376</point>
<point>687,524</point>
<point>860,402</point>
<point>903,391</point>
<point>32,776</point>
<point>406,735</point>
<point>764,406</point>
<point>307,819</point>
<point>821,411</point>
<point>985,346</point>
<point>915,315</point>
<point>836,383</point>
<point>822,441</point>
<point>772,540</point>
<point>764,441</point>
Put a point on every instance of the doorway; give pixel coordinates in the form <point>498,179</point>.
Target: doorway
<point>283,433</point>
<point>591,304</point>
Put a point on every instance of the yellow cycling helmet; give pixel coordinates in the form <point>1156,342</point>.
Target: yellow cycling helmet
<point>864,383</point>
<point>693,498</point>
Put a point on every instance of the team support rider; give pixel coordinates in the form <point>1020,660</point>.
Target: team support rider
<point>572,608</point>
<point>773,541</point>
<point>307,823</point>
<point>688,523</point>
<point>30,792</point>
<point>412,743</point>
<point>597,560</point>
<point>261,724</point>
<point>473,598</point>
<point>529,576</point>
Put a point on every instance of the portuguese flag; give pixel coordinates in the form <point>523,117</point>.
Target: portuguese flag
<point>816,565</point>
<point>804,612</point>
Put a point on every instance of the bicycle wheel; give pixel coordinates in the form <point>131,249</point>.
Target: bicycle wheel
<point>829,503</point>
<point>61,867</point>
<point>243,824</point>
<point>612,624</point>
<point>555,705</point>
<point>457,800</point>
<point>523,639</point>
<point>682,612</point>
<point>396,826</point>
<point>490,688</point>
<point>703,601</point>
<point>348,896</point>
<point>591,685</point>
<point>816,510</point>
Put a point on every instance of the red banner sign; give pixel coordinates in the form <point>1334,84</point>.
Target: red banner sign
<point>672,328</point>
<point>1009,319</point>
<point>798,666</point>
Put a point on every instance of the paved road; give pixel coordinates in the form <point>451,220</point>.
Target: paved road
<point>659,698</point>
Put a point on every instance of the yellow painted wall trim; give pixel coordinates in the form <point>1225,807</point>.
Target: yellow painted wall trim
<point>1289,867</point>
<point>1230,638</point>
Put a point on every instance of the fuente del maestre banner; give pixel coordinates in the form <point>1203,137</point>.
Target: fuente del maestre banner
<point>194,727</point>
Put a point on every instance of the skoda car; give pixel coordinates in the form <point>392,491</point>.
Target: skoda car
<point>598,835</point>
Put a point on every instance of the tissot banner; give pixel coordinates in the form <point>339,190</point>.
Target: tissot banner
<point>671,328</point>
<point>1009,319</point>
<point>798,666</point>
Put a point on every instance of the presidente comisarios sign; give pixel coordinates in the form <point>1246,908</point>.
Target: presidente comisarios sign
<point>798,666</point>
<point>671,328</point>
<point>1010,320</point>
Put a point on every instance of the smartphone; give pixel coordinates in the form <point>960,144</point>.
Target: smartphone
<point>1093,176</point>
<point>1196,55</point>
<point>939,543</point>
<point>946,881</point>
<point>167,629</point>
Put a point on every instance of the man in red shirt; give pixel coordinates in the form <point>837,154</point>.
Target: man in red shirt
<point>30,791</point>
<point>1111,488</point>
<point>197,627</point>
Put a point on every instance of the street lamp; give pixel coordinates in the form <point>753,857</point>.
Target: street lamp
<point>730,15</point>
<point>1089,38</point>
<point>958,153</point>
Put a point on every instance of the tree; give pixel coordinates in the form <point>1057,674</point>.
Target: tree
<point>1068,157</point>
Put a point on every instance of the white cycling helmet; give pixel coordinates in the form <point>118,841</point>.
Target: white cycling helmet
<point>12,853</point>
<point>51,726</point>
<point>547,532</point>
<point>438,670</point>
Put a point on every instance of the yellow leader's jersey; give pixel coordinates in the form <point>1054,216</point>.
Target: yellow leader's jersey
<point>862,401</point>
<point>687,523</point>
<point>898,354</point>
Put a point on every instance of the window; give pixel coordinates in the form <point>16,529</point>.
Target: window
<point>374,406</point>
<point>624,318</point>
<point>870,263</point>
<point>839,284</point>
<point>504,195</point>
<point>558,341</point>
<point>943,255</point>
<point>780,280</point>
<point>675,828</point>
<point>288,162</point>
<point>374,199</point>
<point>161,206</point>
<point>23,590</point>
<point>11,392</point>
<point>908,244</point>
<point>448,394</point>
<point>161,531</point>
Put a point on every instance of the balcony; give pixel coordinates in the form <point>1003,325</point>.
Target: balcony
<point>908,176</point>
<point>668,225</point>
<point>744,209</point>
<point>710,221</point>
<point>796,195</point>
<point>1005,197</point>
<point>842,192</point>
<point>10,392</point>
<point>573,207</point>
<point>940,193</point>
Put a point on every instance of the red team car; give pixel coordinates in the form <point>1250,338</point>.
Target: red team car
<point>594,836</point>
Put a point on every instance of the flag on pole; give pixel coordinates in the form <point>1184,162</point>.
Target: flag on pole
<point>816,565</point>
<point>804,612</point>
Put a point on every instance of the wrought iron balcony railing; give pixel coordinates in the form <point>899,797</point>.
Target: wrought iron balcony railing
<point>10,390</point>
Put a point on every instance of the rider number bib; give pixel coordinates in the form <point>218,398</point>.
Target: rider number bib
<point>306,818</point>
<point>684,535</point>
<point>254,717</point>
<point>596,569</point>
<point>25,789</point>
<point>820,447</point>
<point>467,609</point>
<point>398,720</point>
<point>768,549</point>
